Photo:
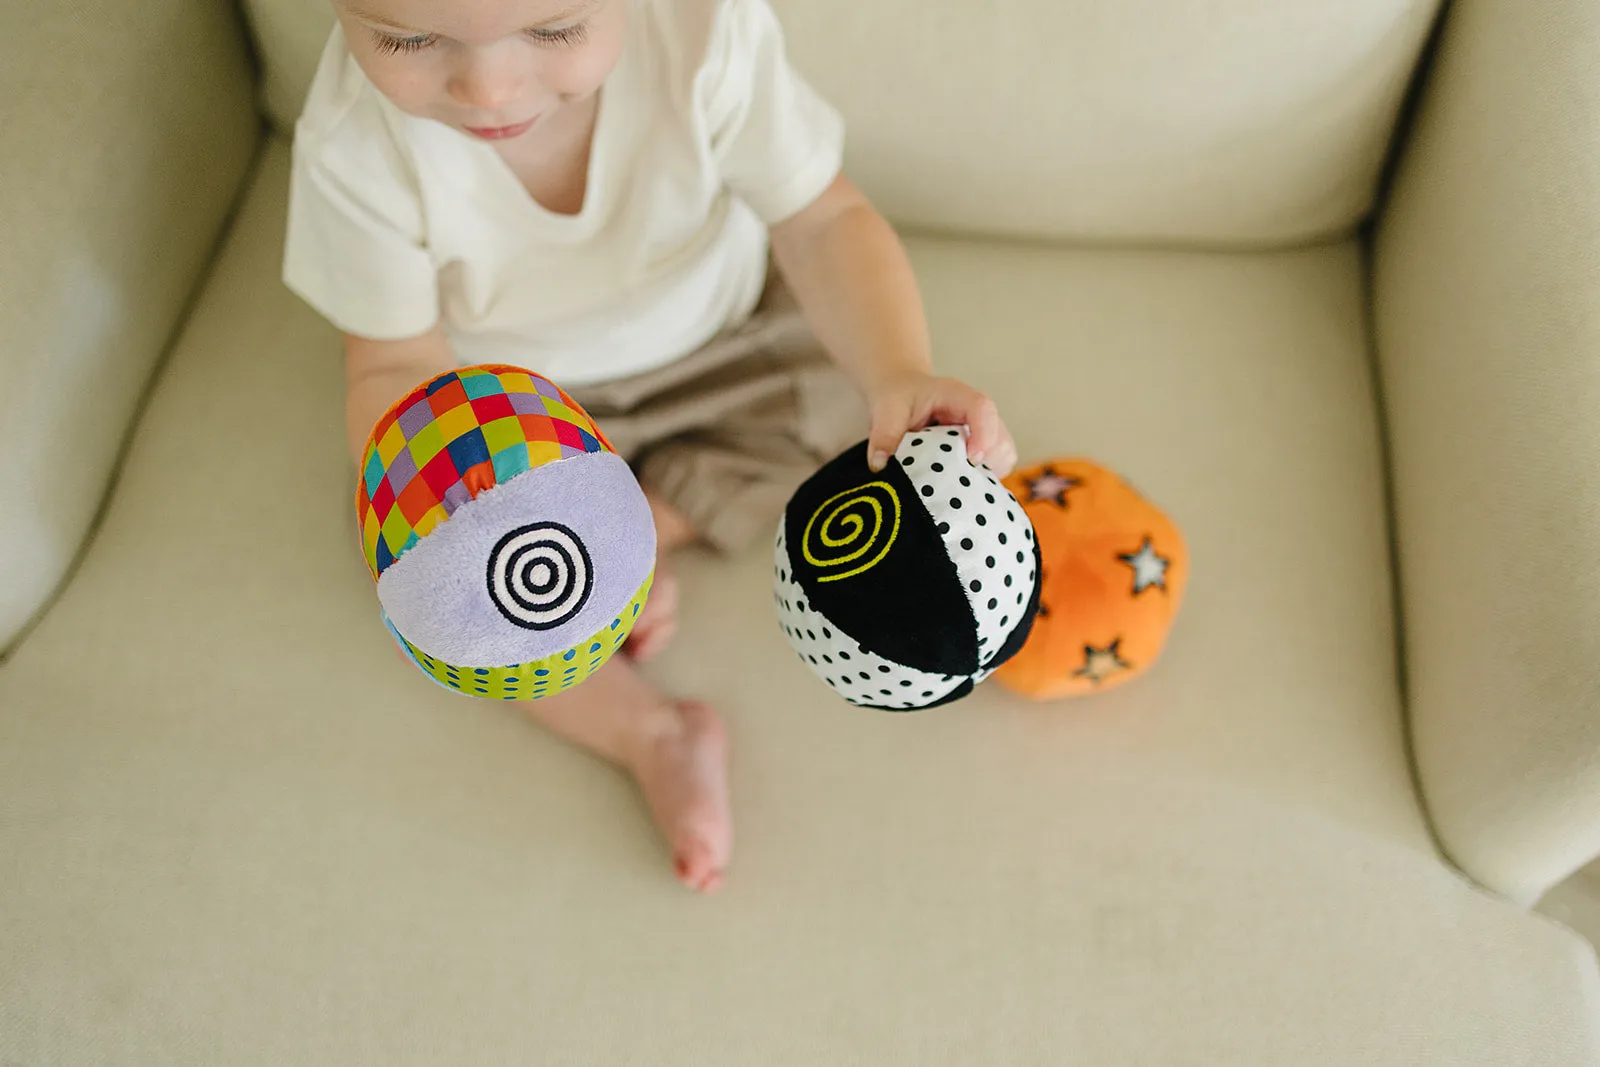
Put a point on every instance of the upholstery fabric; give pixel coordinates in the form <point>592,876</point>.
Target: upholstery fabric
<point>234,829</point>
<point>126,131</point>
<point>1251,122</point>
<point>1576,903</point>
<point>1488,325</point>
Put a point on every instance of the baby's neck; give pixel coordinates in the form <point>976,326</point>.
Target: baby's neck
<point>552,159</point>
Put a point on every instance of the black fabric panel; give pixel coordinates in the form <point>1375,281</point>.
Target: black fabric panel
<point>907,605</point>
<point>1019,634</point>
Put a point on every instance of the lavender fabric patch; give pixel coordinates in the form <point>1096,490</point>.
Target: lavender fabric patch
<point>527,403</point>
<point>455,498</point>
<point>414,418</point>
<point>528,568</point>
<point>402,470</point>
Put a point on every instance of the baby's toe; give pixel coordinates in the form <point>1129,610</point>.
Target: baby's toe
<point>698,867</point>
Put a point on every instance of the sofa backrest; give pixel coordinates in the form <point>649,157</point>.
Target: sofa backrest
<point>1235,122</point>
<point>127,126</point>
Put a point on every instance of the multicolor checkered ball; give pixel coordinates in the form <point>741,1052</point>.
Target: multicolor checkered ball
<point>511,546</point>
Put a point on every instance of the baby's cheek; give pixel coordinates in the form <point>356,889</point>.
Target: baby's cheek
<point>412,86</point>
<point>577,73</point>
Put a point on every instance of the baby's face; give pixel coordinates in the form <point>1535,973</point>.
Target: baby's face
<point>492,68</point>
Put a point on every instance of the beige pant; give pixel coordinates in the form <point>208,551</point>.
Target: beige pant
<point>727,433</point>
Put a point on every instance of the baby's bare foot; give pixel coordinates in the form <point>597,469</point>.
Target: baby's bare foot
<point>683,771</point>
<point>678,753</point>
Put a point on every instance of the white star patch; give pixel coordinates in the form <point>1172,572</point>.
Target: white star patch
<point>1101,663</point>
<point>1149,569</point>
<point>1052,487</point>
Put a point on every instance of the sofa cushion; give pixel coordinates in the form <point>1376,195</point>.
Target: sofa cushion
<point>1250,122</point>
<point>126,134</point>
<point>238,830</point>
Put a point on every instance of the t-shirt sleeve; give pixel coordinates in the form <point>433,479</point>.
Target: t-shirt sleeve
<point>778,142</point>
<point>355,246</point>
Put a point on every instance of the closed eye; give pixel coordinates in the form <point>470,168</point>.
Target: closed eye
<point>390,45</point>
<point>575,34</point>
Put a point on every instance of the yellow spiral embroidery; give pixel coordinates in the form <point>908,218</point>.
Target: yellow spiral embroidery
<point>845,528</point>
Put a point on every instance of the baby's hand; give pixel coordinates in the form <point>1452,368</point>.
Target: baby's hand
<point>915,401</point>
<point>659,619</point>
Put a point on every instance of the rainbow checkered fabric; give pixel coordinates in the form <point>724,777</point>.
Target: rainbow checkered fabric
<point>449,440</point>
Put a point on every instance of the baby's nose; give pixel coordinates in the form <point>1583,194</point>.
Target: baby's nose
<point>487,82</point>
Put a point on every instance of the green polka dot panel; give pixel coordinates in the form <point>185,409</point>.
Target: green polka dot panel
<point>541,677</point>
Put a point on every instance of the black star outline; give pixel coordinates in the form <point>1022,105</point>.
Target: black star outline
<point>1147,558</point>
<point>1059,497</point>
<point>1096,667</point>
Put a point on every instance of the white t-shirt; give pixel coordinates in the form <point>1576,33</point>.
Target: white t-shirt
<point>704,136</point>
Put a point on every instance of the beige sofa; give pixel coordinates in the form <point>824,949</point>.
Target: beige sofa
<point>234,830</point>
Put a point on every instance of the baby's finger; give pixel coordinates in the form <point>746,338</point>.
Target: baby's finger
<point>654,642</point>
<point>889,425</point>
<point>1002,459</point>
<point>985,430</point>
<point>645,641</point>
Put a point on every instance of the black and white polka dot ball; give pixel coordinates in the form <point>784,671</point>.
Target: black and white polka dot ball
<point>905,588</point>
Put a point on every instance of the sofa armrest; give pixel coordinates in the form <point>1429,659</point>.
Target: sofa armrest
<point>1487,308</point>
<point>127,127</point>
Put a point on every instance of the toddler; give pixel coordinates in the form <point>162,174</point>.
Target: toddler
<point>594,190</point>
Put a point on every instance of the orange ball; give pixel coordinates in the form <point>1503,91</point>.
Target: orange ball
<point>1114,572</point>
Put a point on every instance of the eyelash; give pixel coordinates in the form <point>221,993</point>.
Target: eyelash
<point>566,35</point>
<point>391,46</point>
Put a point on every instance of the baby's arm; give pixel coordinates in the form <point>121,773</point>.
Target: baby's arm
<point>850,274</point>
<point>377,373</point>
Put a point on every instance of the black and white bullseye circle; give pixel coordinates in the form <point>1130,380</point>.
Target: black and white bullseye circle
<point>540,575</point>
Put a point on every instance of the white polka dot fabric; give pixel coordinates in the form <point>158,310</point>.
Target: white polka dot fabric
<point>985,531</point>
